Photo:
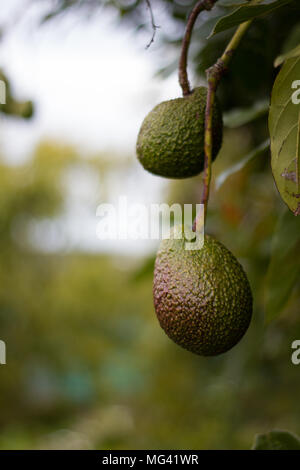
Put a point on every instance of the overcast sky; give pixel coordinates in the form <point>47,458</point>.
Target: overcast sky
<point>92,83</point>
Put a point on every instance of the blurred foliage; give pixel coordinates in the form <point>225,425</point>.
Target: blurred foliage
<point>276,440</point>
<point>284,270</point>
<point>23,109</point>
<point>87,363</point>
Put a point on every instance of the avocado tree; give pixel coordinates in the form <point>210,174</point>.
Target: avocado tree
<point>256,76</point>
<point>203,298</point>
<point>203,301</point>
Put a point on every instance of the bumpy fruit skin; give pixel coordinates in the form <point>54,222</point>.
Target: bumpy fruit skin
<point>171,139</point>
<point>202,297</point>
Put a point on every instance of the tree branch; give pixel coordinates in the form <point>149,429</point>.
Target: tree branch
<point>153,24</point>
<point>183,76</point>
<point>214,76</point>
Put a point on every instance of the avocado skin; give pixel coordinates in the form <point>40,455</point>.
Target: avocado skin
<point>202,298</point>
<point>171,139</point>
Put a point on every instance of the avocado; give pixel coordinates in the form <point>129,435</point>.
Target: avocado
<point>171,139</point>
<point>202,297</point>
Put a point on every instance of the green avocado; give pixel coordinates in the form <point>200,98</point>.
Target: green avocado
<point>171,139</point>
<point>202,297</point>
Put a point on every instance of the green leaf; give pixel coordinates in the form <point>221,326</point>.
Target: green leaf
<point>284,127</point>
<point>289,55</point>
<point>292,40</point>
<point>262,148</point>
<point>241,116</point>
<point>247,12</point>
<point>276,440</point>
<point>290,46</point>
<point>284,268</point>
<point>230,3</point>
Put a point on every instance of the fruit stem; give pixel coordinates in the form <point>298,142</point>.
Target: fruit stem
<point>183,75</point>
<point>214,76</point>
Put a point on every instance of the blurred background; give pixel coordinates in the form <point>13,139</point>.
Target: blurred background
<point>88,366</point>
